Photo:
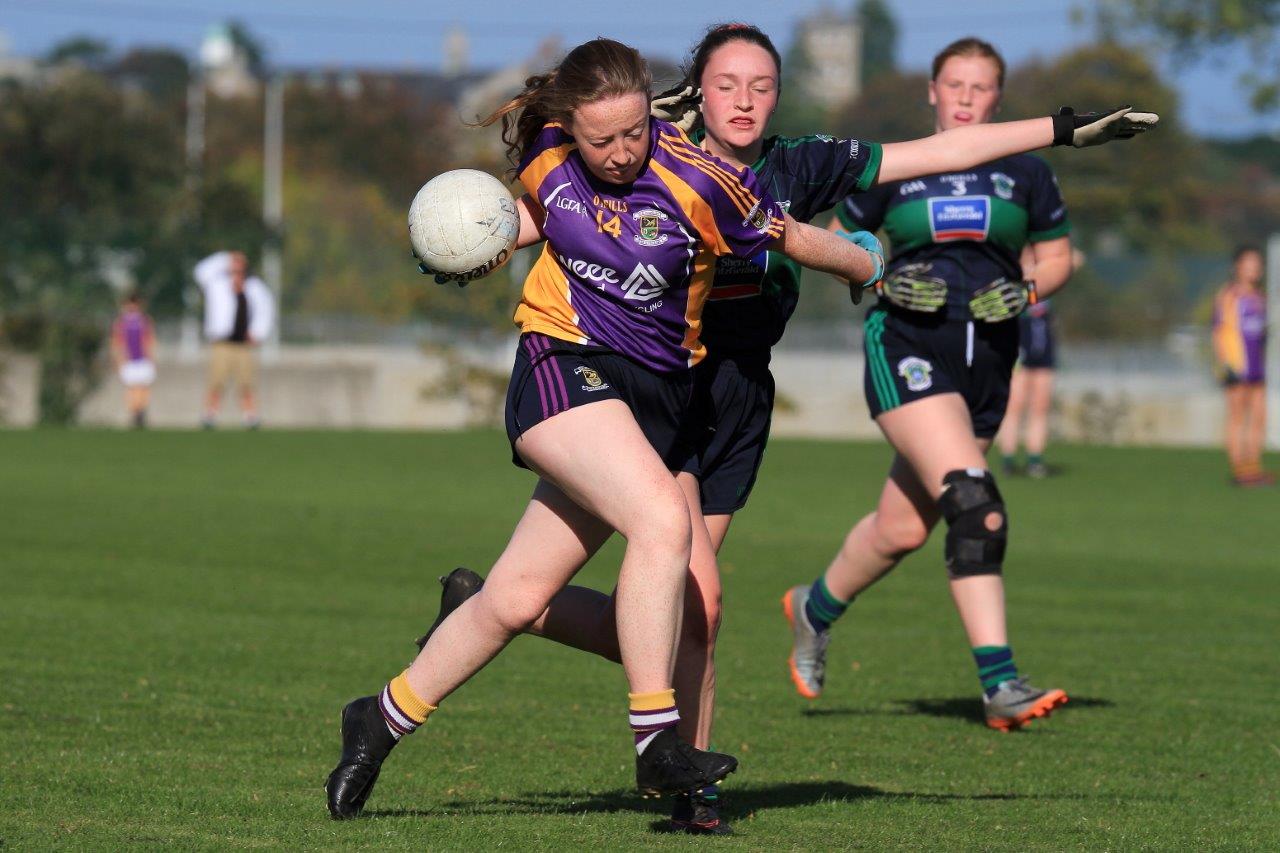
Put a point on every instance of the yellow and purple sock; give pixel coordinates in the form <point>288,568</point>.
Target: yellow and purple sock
<point>650,714</point>
<point>403,710</point>
<point>995,666</point>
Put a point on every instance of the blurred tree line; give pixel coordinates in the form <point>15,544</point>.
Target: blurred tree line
<point>96,196</point>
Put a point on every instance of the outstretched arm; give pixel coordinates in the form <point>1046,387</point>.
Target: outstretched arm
<point>963,148</point>
<point>819,249</point>
<point>966,147</point>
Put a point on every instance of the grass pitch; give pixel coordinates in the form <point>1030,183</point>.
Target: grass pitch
<point>184,614</point>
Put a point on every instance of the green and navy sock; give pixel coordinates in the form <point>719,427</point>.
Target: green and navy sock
<point>995,666</point>
<point>823,608</point>
<point>1034,459</point>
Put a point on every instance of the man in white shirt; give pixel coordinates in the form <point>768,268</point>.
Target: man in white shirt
<point>239,310</point>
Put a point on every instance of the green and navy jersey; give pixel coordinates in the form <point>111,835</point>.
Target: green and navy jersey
<point>971,226</point>
<point>753,298</point>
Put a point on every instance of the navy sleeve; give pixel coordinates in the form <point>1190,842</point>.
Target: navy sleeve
<point>865,211</point>
<point>1046,211</point>
<point>826,170</point>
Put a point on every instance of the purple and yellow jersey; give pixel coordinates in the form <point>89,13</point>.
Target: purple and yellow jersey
<point>131,330</point>
<point>1240,333</point>
<point>629,267</point>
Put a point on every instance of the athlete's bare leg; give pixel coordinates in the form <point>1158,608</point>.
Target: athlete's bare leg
<point>932,436</point>
<point>635,495</point>
<point>1011,428</point>
<point>695,674</point>
<point>1039,386</point>
<point>583,618</point>
<point>1255,426</point>
<point>1234,428</point>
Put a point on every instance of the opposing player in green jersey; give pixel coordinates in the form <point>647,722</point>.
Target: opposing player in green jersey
<point>940,349</point>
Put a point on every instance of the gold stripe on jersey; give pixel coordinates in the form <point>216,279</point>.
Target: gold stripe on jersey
<point>539,167</point>
<point>545,305</point>
<point>697,208</point>
<point>704,273</point>
<point>738,194</point>
<point>695,155</point>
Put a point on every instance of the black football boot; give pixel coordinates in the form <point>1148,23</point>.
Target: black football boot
<point>459,585</point>
<point>668,765</point>
<point>366,743</point>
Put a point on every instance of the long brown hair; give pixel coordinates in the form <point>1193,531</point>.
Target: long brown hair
<point>600,68</point>
<point>970,46</point>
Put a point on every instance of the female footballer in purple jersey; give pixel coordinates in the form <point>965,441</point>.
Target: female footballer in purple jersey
<point>738,71</point>
<point>1239,346</point>
<point>634,217</point>
<point>133,343</point>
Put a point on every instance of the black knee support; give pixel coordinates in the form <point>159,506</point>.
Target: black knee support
<point>969,497</point>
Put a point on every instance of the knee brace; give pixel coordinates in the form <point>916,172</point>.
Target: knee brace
<point>969,501</point>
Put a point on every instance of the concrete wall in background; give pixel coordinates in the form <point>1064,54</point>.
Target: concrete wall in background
<point>820,394</point>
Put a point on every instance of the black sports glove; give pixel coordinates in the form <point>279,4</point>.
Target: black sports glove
<point>680,105</point>
<point>1088,129</point>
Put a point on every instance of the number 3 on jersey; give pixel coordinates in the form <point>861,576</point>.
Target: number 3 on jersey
<point>613,226</point>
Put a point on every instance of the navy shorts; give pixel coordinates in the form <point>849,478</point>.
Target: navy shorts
<point>1037,348</point>
<point>913,357</point>
<point>732,410</point>
<point>552,376</point>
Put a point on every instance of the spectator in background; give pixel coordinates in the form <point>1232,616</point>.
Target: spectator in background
<point>1031,390</point>
<point>133,344</point>
<point>239,311</point>
<point>1239,344</point>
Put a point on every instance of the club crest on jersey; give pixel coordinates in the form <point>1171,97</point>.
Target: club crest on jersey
<point>758,218</point>
<point>650,225</point>
<point>1002,184</point>
<point>591,378</point>
<point>917,372</point>
<point>959,217</point>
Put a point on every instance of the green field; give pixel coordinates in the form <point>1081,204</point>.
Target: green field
<point>182,616</point>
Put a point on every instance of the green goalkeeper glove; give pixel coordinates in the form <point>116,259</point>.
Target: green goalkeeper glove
<point>912,287</point>
<point>1002,300</point>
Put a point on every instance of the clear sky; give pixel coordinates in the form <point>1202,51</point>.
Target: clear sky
<point>400,34</point>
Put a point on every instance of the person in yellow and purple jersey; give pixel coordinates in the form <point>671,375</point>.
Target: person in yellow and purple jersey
<point>940,348</point>
<point>133,344</point>
<point>634,217</point>
<point>732,88</point>
<point>1239,344</point>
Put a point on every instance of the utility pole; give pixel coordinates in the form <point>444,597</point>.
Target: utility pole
<point>273,199</point>
<point>189,328</point>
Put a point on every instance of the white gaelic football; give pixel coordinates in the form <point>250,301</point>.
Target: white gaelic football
<point>464,222</point>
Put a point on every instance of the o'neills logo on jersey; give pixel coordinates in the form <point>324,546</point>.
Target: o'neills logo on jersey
<point>644,283</point>
<point>649,227</point>
<point>959,218</point>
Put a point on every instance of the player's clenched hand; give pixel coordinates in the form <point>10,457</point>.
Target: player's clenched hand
<point>868,242</point>
<point>680,105</point>
<point>1085,129</point>
<point>1001,300</point>
<point>460,279</point>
